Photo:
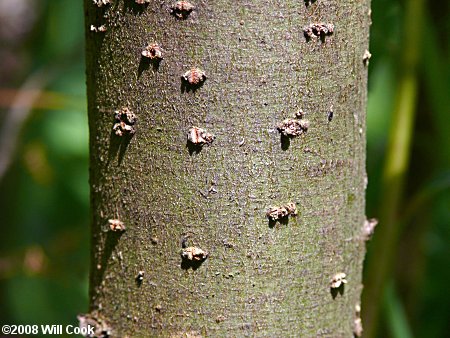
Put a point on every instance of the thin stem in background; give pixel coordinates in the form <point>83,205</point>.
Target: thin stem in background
<point>395,170</point>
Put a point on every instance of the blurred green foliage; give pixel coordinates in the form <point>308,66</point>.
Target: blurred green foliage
<point>44,247</point>
<point>416,302</point>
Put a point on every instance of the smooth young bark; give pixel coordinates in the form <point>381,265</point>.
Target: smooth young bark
<point>259,279</point>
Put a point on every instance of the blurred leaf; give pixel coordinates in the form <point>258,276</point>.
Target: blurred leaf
<point>434,310</point>
<point>35,160</point>
<point>66,133</point>
<point>386,29</point>
<point>38,300</point>
<point>382,87</point>
<point>64,28</point>
<point>437,83</point>
<point>395,314</point>
<point>70,80</point>
<point>426,196</point>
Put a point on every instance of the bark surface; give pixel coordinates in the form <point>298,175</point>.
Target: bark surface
<point>260,278</point>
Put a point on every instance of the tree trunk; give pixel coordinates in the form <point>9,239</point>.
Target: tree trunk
<point>256,275</point>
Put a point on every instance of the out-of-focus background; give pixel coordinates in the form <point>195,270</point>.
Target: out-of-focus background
<point>44,241</point>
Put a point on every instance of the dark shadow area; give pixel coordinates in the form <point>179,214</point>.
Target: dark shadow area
<point>180,13</point>
<point>188,264</point>
<point>285,142</point>
<point>112,239</point>
<point>272,223</point>
<point>193,148</point>
<point>179,16</point>
<point>132,7</point>
<point>126,139</point>
<point>309,2</point>
<point>139,279</point>
<point>187,87</point>
<point>330,116</point>
<point>282,221</point>
<point>335,291</point>
<point>145,63</point>
<point>307,36</point>
<point>118,146</point>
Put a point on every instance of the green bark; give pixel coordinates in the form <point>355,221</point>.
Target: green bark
<point>259,279</point>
